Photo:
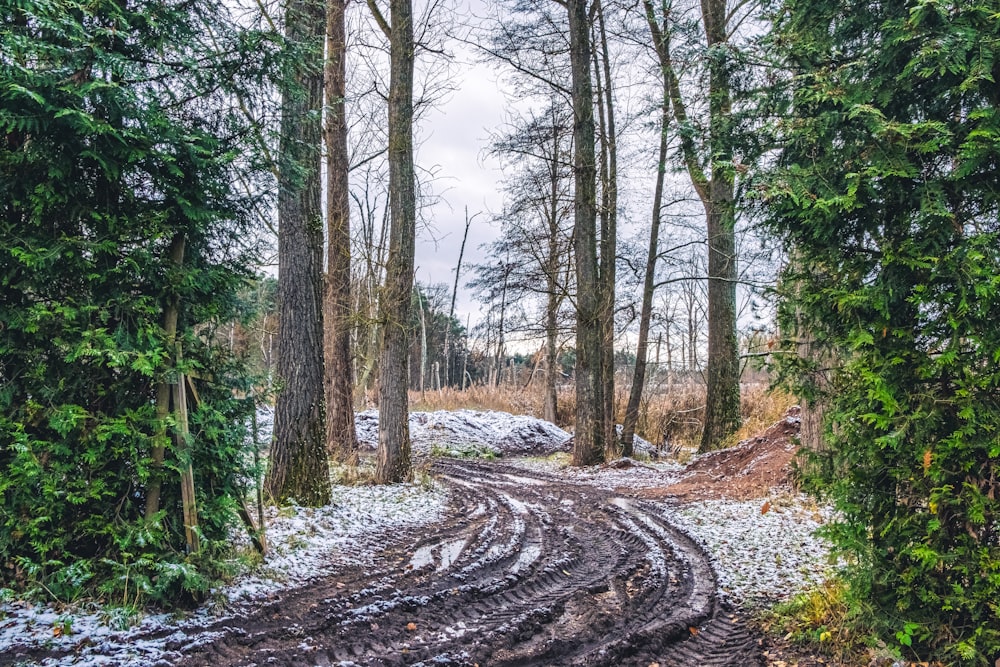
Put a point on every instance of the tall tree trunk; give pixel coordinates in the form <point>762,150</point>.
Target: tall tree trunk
<point>397,296</point>
<point>589,434</point>
<point>340,434</point>
<point>171,312</point>
<point>812,407</point>
<point>298,465</point>
<point>550,399</point>
<point>609,240</point>
<point>722,409</point>
<point>646,309</point>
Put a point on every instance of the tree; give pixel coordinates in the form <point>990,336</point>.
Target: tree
<point>887,194</point>
<point>592,432</point>
<point>395,300</point>
<point>608,255</point>
<point>340,435</point>
<point>122,241</point>
<point>435,337</point>
<point>535,221</point>
<point>298,466</point>
<point>648,283</point>
<point>709,162</point>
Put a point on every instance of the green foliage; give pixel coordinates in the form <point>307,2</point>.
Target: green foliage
<point>463,451</point>
<point>887,191</point>
<point>119,132</point>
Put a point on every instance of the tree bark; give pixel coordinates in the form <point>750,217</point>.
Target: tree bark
<point>170,315</point>
<point>298,465</point>
<point>589,434</point>
<point>554,294</point>
<point>341,438</point>
<point>395,305</point>
<point>716,191</point>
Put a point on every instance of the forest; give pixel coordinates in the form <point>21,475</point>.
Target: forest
<point>213,223</point>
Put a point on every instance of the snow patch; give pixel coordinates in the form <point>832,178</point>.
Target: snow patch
<point>470,432</point>
<point>304,543</point>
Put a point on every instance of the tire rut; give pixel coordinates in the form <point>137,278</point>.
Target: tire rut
<point>526,570</point>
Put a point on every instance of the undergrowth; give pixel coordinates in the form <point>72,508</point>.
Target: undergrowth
<point>833,621</point>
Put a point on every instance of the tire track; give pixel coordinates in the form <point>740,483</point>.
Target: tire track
<point>525,570</point>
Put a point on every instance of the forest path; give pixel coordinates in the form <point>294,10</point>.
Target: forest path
<point>525,570</point>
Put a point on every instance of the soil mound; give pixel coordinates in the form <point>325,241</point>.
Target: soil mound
<point>749,470</point>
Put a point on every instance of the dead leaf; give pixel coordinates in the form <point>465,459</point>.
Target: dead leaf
<point>411,626</point>
<point>57,631</point>
<point>693,630</point>
<point>927,461</point>
<point>766,507</point>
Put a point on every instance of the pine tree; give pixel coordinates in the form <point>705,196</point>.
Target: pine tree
<point>888,194</point>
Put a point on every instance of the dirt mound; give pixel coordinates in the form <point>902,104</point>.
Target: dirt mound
<point>478,434</point>
<point>470,433</point>
<point>748,470</point>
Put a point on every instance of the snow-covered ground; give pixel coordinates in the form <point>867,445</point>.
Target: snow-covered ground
<point>471,433</point>
<point>477,433</point>
<point>760,557</point>
<point>304,543</point>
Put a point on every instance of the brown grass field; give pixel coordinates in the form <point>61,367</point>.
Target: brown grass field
<point>669,417</point>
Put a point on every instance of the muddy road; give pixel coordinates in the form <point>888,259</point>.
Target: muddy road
<point>524,570</point>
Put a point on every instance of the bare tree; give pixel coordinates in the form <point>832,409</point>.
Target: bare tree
<point>454,295</point>
<point>649,276</point>
<point>715,186</point>
<point>396,298</point>
<point>536,150</point>
<point>592,428</point>
<point>340,435</point>
<point>608,255</point>
<point>298,464</point>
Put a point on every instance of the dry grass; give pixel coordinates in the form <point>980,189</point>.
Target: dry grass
<point>670,418</point>
<point>506,398</point>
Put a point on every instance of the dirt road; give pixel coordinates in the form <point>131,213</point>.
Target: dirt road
<point>525,571</point>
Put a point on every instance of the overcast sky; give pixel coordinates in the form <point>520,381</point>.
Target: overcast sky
<point>454,138</point>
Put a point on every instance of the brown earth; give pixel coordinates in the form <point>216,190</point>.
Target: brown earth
<point>749,470</point>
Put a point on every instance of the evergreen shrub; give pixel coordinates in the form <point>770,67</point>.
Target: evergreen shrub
<point>119,136</point>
